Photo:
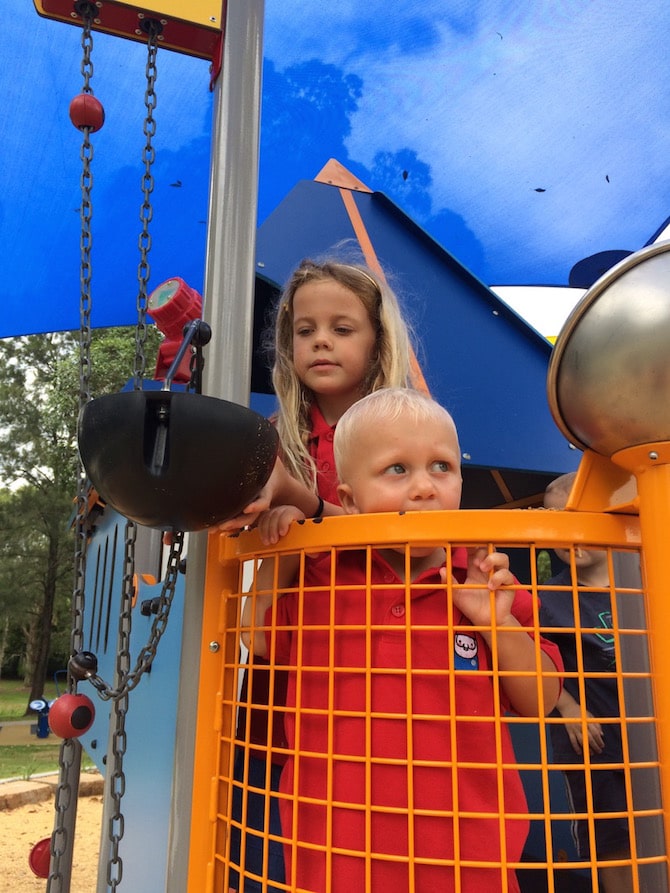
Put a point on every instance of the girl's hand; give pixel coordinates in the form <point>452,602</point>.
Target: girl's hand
<point>275,523</point>
<point>249,515</point>
<point>489,572</point>
<point>251,512</point>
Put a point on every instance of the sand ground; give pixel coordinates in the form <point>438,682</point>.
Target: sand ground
<point>26,825</point>
<point>27,817</point>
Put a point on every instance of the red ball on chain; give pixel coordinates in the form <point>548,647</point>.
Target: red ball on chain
<point>87,111</point>
<point>71,715</point>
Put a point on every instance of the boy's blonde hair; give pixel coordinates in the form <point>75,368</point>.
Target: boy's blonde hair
<point>559,489</point>
<point>390,366</point>
<point>386,405</point>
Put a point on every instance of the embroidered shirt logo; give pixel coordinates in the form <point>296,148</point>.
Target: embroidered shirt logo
<point>465,652</point>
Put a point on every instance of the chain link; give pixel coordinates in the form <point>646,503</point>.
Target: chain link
<point>62,844</point>
<point>70,752</point>
<point>117,780</point>
<point>146,209</point>
<point>127,680</point>
<point>87,10</point>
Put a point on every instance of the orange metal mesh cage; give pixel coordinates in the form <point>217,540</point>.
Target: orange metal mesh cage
<point>395,762</point>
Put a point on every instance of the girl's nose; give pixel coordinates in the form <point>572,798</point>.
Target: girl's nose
<point>322,338</point>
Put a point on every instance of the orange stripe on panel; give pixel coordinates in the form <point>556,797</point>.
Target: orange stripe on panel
<point>417,377</point>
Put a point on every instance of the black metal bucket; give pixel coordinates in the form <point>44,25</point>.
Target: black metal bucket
<point>172,459</point>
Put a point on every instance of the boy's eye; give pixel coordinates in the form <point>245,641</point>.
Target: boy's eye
<point>396,468</point>
<point>441,466</point>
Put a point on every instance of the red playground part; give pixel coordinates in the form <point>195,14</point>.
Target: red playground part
<point>87,111</point>
<point>40,858</point>
<point>71,715</point>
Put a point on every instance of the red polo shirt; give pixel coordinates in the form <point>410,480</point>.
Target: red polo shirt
<point>320,447</point>
<point>375,748</point>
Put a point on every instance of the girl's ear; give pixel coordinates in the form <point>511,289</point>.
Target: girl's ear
<point>347,500</point>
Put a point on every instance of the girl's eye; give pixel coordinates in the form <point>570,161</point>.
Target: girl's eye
<point>343,330</point>
<point>441,466</point>
<point>303,332</point>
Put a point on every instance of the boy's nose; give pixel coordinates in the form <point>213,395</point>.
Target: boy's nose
<point>421,486</point>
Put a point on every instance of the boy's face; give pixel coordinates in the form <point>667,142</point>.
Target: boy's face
<point>557,499</point>
<point>583,557</point>
<point>400,466</point>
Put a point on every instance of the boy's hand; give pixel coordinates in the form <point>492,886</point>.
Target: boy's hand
<point>596,740</point>
<point>489,572</point>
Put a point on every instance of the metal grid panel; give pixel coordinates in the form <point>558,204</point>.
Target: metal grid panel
<point>384,825</point>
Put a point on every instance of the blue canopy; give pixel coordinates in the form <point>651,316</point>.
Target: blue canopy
<point>523,138</point>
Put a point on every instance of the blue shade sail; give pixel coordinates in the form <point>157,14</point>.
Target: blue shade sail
<point>522,138</point>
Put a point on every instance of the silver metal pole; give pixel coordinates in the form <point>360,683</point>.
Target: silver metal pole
<point>228,308</point>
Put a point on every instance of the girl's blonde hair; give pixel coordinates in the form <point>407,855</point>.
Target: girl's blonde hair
<point>390,365</point>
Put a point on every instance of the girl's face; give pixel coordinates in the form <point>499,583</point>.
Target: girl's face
<point>333,344</point>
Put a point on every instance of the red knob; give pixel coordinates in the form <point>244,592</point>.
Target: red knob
<point>87,111</point>
<point>71,715</point>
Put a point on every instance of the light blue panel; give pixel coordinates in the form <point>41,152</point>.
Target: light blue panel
<point>151,719</point>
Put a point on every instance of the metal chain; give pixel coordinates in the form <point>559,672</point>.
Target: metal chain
<point>70,750</point>
<point>146,656</point>
<point>117,780</point>
<point>153,28</point>
<point>86,242</point>
<point>125,680</point>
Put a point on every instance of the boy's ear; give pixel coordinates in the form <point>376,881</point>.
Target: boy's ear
<point>347,500</point>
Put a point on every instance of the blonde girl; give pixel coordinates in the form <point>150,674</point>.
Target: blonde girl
<point>339,334</point>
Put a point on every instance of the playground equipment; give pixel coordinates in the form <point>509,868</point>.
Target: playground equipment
<point>602,514</point>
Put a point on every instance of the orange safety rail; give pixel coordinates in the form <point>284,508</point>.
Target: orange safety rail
<point>368,800</point>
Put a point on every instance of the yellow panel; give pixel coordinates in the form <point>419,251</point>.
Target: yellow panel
<point>199,12</point>
<point>193,28</point>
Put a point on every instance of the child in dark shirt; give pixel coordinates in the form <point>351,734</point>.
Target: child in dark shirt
<point>608,788</point>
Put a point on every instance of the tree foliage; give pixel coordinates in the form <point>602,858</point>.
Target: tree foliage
<point>39,469</point>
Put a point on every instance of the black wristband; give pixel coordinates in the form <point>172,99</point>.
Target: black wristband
<point>319,509</point>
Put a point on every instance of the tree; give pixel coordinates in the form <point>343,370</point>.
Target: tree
<point>39,387</point>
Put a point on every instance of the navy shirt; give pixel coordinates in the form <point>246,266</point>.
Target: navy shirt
<point>598,656</point>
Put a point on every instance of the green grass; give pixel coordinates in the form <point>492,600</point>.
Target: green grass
<point>14,698</point>
<point>24,761</point>
<point>27,760</point>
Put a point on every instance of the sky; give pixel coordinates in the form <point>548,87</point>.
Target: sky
<point>522,137</point>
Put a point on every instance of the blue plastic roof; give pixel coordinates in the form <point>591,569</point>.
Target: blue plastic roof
<point>523,137</point>
<point>480,360</point>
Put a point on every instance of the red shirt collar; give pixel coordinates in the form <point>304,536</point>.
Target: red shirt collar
<point>319,425</point>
